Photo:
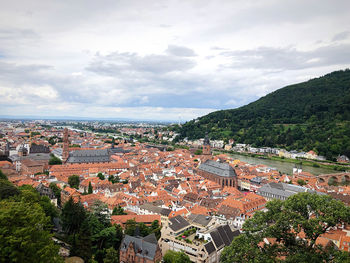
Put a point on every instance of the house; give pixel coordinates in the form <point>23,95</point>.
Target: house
<point>201,241</point>
<point>140,249</point>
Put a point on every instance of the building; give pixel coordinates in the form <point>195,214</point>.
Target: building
<point>281,191</point>
<point>220,173</point>
<point>89,156</point>
<point>202,241</point>
<point>138,249</point>
<point>206,146</point>
<point>65,152</point>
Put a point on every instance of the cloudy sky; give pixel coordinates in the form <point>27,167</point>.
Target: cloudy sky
<point>162,60</point>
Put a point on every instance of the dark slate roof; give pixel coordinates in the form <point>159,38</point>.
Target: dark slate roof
<point>151,238</point>
<point>156,209</point>
<point>209,247</point>
<point>177,223</point>
<point>199,219</point>
<point>281,189</point>
<point>223,236</point>
<point>256,180</point>
<point>215,236</point>
<point>218,168</point>
<point>119,150</point>
<point>34,148</point>
<point>89,156</point>
<point>144,247</point>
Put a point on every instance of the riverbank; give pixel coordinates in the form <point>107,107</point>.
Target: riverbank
<point>304,162</point>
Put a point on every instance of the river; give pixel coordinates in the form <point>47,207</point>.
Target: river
<point>284,167</point>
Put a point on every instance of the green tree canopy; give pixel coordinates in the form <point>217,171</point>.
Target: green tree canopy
<point>90,190</point>
<point>57,191</point>
<point>7,189</point>
<point>24,233</point>
<point>118,211</point>
<point>2,175</point>
<point>101,176</point>
<point>74,181</point>
<point>112,256</point>
<point>73,215</point>
<point>54,160</point>
<point>176,257</point>
<point>304,214</point>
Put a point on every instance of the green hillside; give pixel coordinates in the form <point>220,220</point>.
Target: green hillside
<point>313,115</point>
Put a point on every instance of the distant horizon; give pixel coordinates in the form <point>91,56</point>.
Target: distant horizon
<point>76,118</point>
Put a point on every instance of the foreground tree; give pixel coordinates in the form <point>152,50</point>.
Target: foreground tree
<point>73,216</point>
<point>57,191</point>
<point>7,189</point>
<point>303,215</point>
<point>24,233</point>
<point>112,256</point>
<point>176,257</point>
<point>2,175</point>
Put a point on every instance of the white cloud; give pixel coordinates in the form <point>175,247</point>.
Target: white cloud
<point>158,59</point>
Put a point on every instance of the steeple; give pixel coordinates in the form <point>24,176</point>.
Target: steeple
<point>65,152</point>
<point>113,143</point>
<point>206,139</point>
<point>206,145</point>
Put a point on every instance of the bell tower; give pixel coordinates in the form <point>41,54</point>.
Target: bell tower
<point>206,145</point>
<point>65,153</point>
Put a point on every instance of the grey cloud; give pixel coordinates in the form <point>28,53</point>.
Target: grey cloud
<point>180,51</point>
<point>117,63</point>
<point>341,36</point>
<point>16,33</point>
<point>289,58</point>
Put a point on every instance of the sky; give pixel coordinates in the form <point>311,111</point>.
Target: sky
<point>164,59</point>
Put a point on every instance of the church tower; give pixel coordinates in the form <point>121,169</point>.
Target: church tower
<point>206,146</point>
<point>65,153</point>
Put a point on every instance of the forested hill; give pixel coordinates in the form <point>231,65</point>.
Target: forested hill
<point>313,115</point>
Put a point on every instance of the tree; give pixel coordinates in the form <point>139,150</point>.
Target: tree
<point>309,215</point>
<point>112,256</point>
<point>74,181</point>
<point>57,191</point>
<point>101,176</point>
<point>301,182</point>
<point>54,160</point>
<point>130,227</point>
<point>118,211</point>
<point>25,235</point>
<point>82,243</point>
<point>198,152</point>
<point>2,175</point>
<point>7,189</point>
<point>101,211</point>
<point>90,190</point>
<point>176,257</point>
<point>155,228</point>
<point>73,215</point>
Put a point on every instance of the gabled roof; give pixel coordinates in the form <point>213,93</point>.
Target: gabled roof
<point>223,236</point>
<point>145,247</point>
<point>178,222</point>
<point>89,156</point>
<point>218,168</point>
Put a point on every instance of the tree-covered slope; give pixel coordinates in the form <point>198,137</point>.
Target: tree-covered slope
<point>313,115</point>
